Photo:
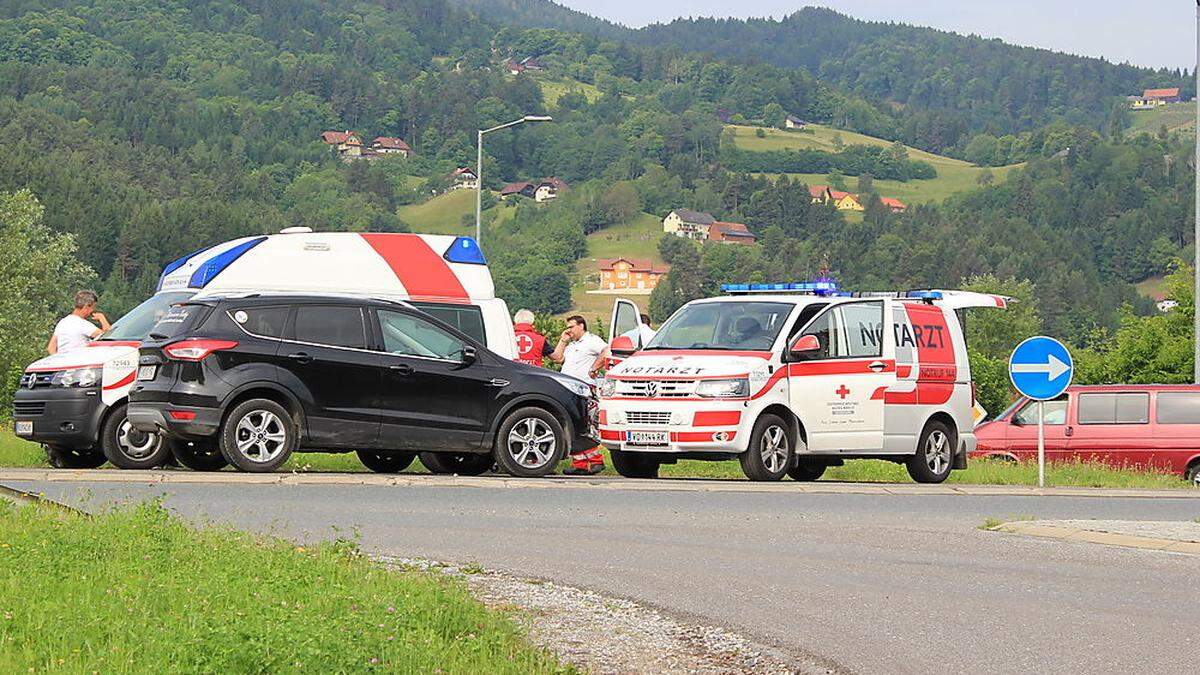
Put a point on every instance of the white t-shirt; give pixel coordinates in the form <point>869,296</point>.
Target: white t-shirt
<point>73,332</point>
<point>578,356</point>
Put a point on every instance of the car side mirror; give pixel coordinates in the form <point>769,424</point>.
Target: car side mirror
<point>469,355</point>
<point>623,345</point>
<point>804,346</point>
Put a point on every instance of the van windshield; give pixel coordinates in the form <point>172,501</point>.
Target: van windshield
<point>137,323</point>
<point>723,325</point>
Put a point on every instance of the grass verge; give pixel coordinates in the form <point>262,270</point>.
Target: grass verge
<point>136,590</point>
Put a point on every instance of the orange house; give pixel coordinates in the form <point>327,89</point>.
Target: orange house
<point>630,273</point>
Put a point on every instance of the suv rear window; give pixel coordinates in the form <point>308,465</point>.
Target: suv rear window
<point>1178,407</point>
<point>178,320</point>
<point>466,318</point>
<point>337,326</point>
<point>1123,408</point>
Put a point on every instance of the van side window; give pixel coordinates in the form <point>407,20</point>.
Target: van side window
<point>1122,408</point>
<point>466,318</point>
<point>1178,407</point>
<point>825,333</point>
<point>863,322</point>
<point>1054,413</point>
<point>261,321</point>
<point>330,325</point>
<point>806,315</point>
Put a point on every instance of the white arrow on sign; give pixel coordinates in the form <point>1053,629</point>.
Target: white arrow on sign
<point>1053,367</point>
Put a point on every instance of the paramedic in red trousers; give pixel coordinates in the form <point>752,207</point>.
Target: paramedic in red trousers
<point>582,355</point>
<point>532,346</point>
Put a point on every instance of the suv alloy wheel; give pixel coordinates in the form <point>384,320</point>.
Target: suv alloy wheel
<point>258,435</point>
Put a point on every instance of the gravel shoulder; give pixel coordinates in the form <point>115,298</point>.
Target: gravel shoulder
<point>1159,535</point>
<point>606,635</point>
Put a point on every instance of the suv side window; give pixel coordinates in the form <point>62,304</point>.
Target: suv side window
<point>261,321</point>
<point>336,326</point>
<point>466,318</point>
<point>408,335</point>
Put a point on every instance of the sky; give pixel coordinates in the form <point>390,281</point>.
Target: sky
<point>1150,33</point>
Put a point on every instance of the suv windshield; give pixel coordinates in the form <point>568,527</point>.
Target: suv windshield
<point>137,323</point>
<point>723,325</point>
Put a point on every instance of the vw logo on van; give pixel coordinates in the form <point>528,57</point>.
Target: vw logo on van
<point>651,389</point>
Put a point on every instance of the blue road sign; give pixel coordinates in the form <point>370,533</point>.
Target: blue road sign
<point>1041,368</point>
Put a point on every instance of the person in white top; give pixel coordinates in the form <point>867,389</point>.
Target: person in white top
<point>582,355</point>
<point>74,330</point>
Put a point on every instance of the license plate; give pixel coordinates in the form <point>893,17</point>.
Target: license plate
<point>24,427</point>
<point>646,437</point>
<point>146,372</point>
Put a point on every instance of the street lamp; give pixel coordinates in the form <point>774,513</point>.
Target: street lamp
<point>479,163</point>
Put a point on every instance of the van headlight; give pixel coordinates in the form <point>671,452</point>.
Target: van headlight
<point>76,377</point>
<point>608,388</point>
<point>577,387</point>
<point>737,388</point>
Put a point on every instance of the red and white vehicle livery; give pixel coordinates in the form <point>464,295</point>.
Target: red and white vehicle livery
<point>793,378</point>
<point>74,402</point>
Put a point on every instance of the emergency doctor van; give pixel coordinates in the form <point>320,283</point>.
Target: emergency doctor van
<point>74,402</point>
<point>793,378</point>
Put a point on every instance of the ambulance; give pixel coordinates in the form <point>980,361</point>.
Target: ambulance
<point>793,378</point>
<point>74,402</point>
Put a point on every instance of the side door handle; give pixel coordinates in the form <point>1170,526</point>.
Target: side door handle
<point>1068,431</point>
<point>301,357</point>
<point>401,369</point>
<point>497,382</point>
<point>877,366</point>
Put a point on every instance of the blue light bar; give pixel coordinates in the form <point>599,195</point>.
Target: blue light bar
<point>823,287</point>
<point>925,295</point>
<point>176,264</point>
<point>465,250</point>
<point>734,288</point>
<point>208,271</point>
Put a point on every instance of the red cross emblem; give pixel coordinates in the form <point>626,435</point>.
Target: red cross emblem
<point>524,343</point>
<point>842,391</point>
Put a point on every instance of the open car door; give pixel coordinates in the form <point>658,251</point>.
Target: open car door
<point>625,331</point>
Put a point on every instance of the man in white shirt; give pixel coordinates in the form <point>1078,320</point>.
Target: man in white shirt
<point>582,355</point>
<point>74,330</point>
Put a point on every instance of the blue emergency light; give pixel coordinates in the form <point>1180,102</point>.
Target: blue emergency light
<point>209,269</point>
<point>176,264</point>
<point>465,250</point>
<point>925,295</point>
<point>821,287</point>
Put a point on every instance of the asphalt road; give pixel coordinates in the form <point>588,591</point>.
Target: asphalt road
<point>872,583</point>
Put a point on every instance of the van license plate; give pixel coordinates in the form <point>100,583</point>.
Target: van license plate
<point>646,437</point>
<point>24,427</point>
<point>146,372</point>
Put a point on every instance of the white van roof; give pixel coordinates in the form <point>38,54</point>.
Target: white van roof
<point>402,266</point>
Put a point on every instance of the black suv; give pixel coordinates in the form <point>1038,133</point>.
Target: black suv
<point>248,380</point>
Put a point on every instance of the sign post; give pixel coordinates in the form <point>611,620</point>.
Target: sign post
<point>1041,368</point>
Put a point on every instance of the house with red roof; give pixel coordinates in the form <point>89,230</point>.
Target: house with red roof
<point>390,145</point>
<point>1153,98</point>
<point>540,191</point>
<point>464,178</point>
<point>894,205</point>
<point>345,143</point>
<point>637,274</point>
<point>730,233</point>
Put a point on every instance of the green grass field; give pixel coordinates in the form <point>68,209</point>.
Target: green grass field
<point>637,238</point>
<point>18,453</point>
<point>444,214</point>
<point>137,590</point>
<point>554,87</point>
<point>954,175</point>
<point>1174,116</point>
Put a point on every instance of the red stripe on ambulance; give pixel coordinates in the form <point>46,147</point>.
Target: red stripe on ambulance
<point>422,271</point>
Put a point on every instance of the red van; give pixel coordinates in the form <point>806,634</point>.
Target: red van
<point>1154,426</point>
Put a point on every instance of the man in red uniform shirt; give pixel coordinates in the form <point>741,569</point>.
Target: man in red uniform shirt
<point>532,346</point>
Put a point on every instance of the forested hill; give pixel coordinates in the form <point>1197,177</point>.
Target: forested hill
<point>948,87</point>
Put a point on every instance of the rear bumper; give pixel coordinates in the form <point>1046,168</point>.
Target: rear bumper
<point>61,416</point>
<point>186,422</point>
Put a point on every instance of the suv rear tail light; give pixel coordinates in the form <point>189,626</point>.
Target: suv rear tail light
<point>194,350</point>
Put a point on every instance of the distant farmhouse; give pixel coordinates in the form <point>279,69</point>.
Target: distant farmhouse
<point>793,122</point>
<point>349,146</point>
<point>845,201</point>
<point>539,191</point>
<point>1153,98</point>
<point>515,67</point>
<point>464,178</point>
<point>703,227</point>
<point>630,273</point>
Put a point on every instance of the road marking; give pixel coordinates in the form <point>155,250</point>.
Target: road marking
<point>568,483</point>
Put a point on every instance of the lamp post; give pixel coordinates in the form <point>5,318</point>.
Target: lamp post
<point>479,163</point>
<point>1196,223</point>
